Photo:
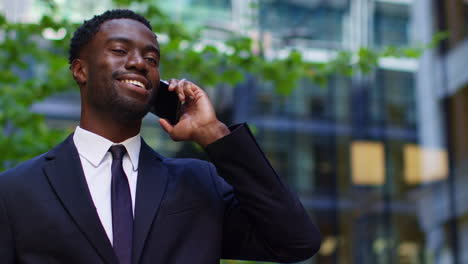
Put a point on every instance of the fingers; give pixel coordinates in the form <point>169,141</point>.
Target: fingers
<point>183,88</point>
<point>174,133</point>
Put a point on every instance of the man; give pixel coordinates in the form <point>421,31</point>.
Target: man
<point>104,196</point>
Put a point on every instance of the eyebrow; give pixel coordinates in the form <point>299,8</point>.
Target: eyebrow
<point>150,48</point>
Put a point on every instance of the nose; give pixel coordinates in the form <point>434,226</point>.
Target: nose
<point>136,62</point>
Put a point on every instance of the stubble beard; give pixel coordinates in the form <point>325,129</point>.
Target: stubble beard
<point>126,109</point>
<point>121,108</point>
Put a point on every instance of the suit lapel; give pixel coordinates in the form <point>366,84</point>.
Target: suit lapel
<point>151,185</point>
<point>66,177</point>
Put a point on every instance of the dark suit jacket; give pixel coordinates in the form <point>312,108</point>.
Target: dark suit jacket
<point>184,213</point>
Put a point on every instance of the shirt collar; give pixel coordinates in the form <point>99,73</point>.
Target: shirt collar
<point>94,147</point>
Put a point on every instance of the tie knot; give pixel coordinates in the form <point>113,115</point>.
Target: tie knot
<point>117,151</point>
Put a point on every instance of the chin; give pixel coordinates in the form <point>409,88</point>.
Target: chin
<point>134,115</point>
<point>130,112</point>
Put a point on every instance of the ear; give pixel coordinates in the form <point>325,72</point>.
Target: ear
<point>79,70</point>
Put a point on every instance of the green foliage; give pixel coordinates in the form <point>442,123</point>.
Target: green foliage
<point>34,68</point>
<point>24,133</point>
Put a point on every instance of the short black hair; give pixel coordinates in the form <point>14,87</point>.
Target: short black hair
<point>89,28</point>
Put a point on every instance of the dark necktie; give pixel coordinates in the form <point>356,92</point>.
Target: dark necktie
<point>122,216</point>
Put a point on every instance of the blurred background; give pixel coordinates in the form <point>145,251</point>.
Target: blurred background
<point>370,130</point>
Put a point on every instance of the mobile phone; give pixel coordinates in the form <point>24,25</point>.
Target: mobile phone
<point>166,104</point>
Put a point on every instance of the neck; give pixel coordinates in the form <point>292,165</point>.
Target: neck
<point>110,128</point>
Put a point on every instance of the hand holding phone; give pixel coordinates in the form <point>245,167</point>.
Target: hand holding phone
<point>199,124</point>
<point>166,104</point>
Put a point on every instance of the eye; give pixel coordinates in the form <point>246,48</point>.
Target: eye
<point>119,51</point>
<point>152,60</point>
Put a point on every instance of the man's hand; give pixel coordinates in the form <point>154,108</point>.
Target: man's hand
<point>198,120</point>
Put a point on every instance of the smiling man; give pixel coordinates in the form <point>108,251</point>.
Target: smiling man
<point>104,196</point>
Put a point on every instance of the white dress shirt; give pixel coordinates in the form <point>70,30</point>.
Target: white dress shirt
<point>96,162</point>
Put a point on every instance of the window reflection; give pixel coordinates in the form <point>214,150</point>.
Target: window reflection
<point>308,101</point>
<point>391,24</point>
<point>317,21</point>
<point>197,13</point>
<point>393,100</point>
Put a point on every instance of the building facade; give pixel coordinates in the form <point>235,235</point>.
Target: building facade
<point>379,160</point>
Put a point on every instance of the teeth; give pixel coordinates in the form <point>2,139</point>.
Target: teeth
<point>137,83</point>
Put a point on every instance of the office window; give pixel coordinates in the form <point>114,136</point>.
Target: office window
<point>391,24</point>
<point>307,101</point>
<point>197,13</point>
<point>392,99</point>
<point>318,21</point>
<point>341,99</point>
<point>278,146</point>
<point>226,4</point>
<point>306,160</point>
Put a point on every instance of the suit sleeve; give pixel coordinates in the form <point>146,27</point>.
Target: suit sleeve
<point>6,237</point>
<point>264,219</point>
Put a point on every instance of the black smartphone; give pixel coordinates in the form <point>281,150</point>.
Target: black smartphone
<point>166,104</point>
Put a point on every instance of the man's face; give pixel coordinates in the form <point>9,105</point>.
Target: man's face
<point>122,69</point>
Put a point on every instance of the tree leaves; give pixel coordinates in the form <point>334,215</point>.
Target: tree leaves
<point>24,52</point>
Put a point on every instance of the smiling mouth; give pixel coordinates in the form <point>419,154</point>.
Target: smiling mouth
<point>135,83</point>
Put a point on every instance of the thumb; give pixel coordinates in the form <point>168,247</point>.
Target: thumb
<point>166,125</point>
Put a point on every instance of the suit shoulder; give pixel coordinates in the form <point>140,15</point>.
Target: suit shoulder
<point>24,169</point>
<point>186,163</point>
<point>33,166</point>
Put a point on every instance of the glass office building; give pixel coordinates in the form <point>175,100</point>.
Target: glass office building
<point>379,160</point>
